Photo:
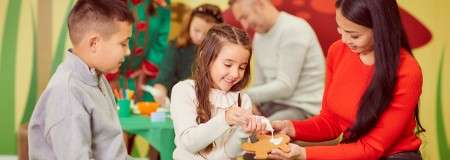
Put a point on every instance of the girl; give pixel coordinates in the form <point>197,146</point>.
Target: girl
<point>209,113</point>
<point>378,115</point>
<point>181,53</point>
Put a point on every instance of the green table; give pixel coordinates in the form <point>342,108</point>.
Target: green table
<point>158,134</point>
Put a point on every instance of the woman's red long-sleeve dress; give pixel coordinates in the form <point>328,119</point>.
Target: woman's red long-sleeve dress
<point>346,80</point>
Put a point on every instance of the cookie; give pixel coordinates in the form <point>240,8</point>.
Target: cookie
<point>263,146</point>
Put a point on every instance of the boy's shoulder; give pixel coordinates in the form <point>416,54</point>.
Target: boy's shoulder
<point>58,98</point>
<point>62,84</point>
<point>60,80</point>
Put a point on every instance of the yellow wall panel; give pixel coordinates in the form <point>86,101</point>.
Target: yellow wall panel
<point>24,59</point>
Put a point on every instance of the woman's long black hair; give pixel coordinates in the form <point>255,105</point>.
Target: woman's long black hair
<point>383,17</point>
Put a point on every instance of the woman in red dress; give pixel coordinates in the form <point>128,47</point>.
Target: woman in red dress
<point>373,85</point>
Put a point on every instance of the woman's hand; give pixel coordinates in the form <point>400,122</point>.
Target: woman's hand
<point>284,126</point>
<point>296,152</point>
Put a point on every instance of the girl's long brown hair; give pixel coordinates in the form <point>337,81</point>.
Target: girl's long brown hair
<point>216,38</point>
<point>208,12</point>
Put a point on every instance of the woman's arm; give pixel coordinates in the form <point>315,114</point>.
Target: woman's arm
<point>397,121</point>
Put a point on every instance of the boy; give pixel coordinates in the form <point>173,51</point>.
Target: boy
<point>75,117</point>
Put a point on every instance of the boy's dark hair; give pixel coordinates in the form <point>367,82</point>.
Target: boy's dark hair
<point>97,16</point>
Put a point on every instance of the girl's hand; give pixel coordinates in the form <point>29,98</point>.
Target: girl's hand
<point>284,126</point>
<point>296,152</point>
<point>236,116</point>
<point>254,125</point>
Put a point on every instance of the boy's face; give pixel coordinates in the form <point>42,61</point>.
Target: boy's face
<point>110,53</point>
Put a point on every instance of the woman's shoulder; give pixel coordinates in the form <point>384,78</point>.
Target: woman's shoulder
<point>336,52</point>
<point>409,67</point>
<point>335,48</point>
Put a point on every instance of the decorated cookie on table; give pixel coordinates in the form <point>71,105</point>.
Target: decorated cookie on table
<point>266,143</point>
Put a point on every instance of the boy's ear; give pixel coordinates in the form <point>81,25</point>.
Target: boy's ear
<point>93,41</point>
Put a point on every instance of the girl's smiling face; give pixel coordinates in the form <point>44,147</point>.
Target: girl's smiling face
<point>229,66</point>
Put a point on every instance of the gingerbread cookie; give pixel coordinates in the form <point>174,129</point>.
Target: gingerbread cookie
<point>265,144</point>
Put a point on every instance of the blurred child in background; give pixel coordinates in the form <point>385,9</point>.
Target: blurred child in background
<point>177,62</point>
